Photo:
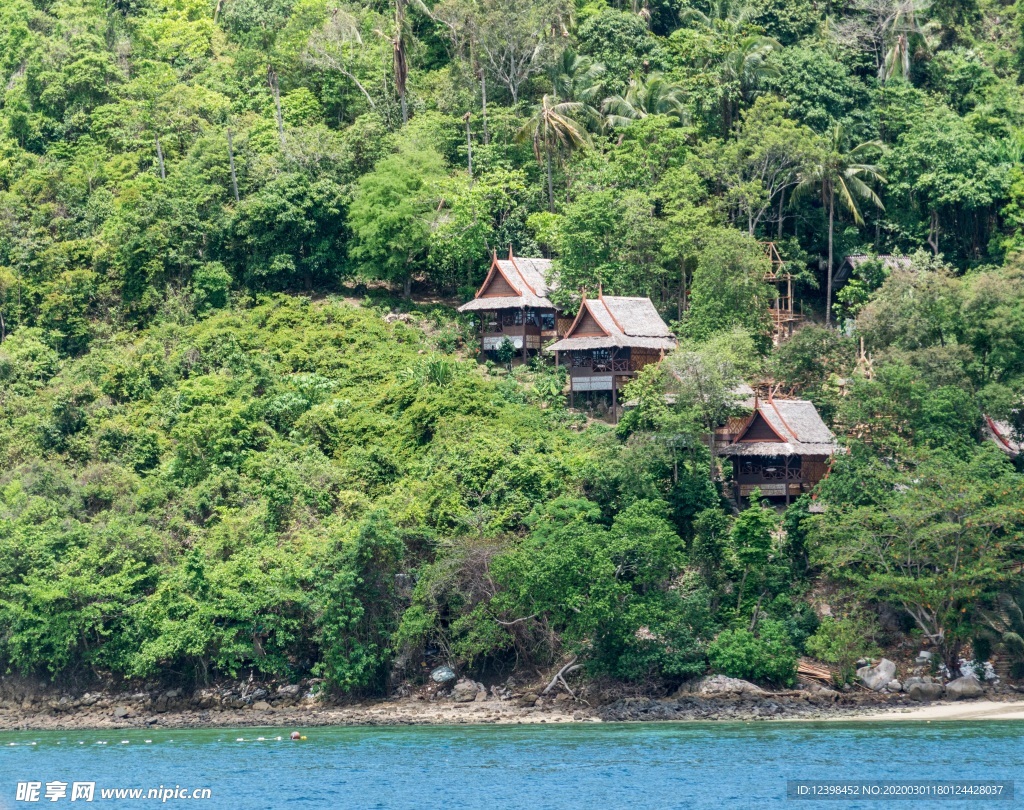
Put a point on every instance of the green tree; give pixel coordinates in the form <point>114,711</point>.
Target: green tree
<point>357,605</point>
<point>704,376</point>
<point>934,545</point>
<point>836,171</point>
<point>554,133</point>
<point>391,214</point>
<point>650,95</point>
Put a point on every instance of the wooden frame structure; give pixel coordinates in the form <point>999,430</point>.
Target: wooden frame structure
<point>784,318</point>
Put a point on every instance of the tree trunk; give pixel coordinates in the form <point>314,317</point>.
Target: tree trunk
<point>933,232</point>
<point>469,148</point>
<point>782,200</point>
<point>407,288</point>
<point>951,657</point>
<point>276,92</point>
<point>551,187</point>
<point>231,164</point>
<point>160,159</point>
<point>483,100</point>
<point>831,228</point>
<point>401,66</point>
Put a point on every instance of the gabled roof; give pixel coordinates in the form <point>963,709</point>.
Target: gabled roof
<point>798,428</point>
<point>624,321</point>
<point>529,281</point>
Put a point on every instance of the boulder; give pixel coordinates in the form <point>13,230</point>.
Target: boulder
<point>875,678</point>
<point>719,685</point>
<point>923,691</point>
<point>261,705</point>
<point>465,691</point>
<point>121,712</point>
<point>894,686</point>
<point>964,688</point>
<point>443,674</point>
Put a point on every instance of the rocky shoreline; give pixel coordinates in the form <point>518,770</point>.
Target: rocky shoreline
<point>23,707</point>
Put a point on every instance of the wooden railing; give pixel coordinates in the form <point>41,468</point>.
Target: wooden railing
<point>612,366</point>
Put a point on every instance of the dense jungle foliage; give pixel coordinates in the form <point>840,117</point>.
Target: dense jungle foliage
<point>242,429</point>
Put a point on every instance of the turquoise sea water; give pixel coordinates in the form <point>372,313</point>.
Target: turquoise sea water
<point>584,767</point>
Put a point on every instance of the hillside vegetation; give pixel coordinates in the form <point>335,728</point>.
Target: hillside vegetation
<point>217,456</point>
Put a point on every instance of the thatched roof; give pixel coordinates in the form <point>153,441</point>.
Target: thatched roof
<point>798,429</point>
<point>621,322</point>
<point>889,261</point>
<point>529,279</point>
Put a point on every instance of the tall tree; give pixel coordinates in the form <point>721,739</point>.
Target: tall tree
<point>554,132</point>
<point>837,172</point>
<point>392,212</point>
<point>650,95</point>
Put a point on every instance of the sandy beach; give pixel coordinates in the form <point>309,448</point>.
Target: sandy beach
<point>968,710</point>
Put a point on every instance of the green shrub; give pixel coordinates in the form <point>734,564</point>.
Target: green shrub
<point>842,642</point>
<point>767,655</point>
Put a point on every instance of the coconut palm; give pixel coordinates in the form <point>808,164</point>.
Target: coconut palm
<point>576,78</point>
<point>554,131</point>
<point>905,39</point>
<point>744,66</point>
<point>837,172</point>
<point>723,16</point>
<point>743,72</point>
<point>653,95</point>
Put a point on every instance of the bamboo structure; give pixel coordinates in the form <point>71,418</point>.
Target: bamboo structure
<point>784,318</point>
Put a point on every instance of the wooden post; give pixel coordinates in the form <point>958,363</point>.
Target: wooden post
<point>524,335</point>
<point>615,404</point>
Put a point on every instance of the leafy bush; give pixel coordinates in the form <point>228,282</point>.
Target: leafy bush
<point>842,641</point>
<point>767,655</point>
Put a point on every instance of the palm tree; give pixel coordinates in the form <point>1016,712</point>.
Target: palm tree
<point>653,95</point>
<point>576,78</point>
<point>399,41</point>
<point>743,71</point>
<point>906,39</point>
<point>553,131</point>
<point>726,17</point>
<point>744,67</point>
<point>838,172</point>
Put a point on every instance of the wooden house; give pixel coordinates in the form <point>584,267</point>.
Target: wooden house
<point>610,340</point>
<point>783,448</point>
<point>513,305</point>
